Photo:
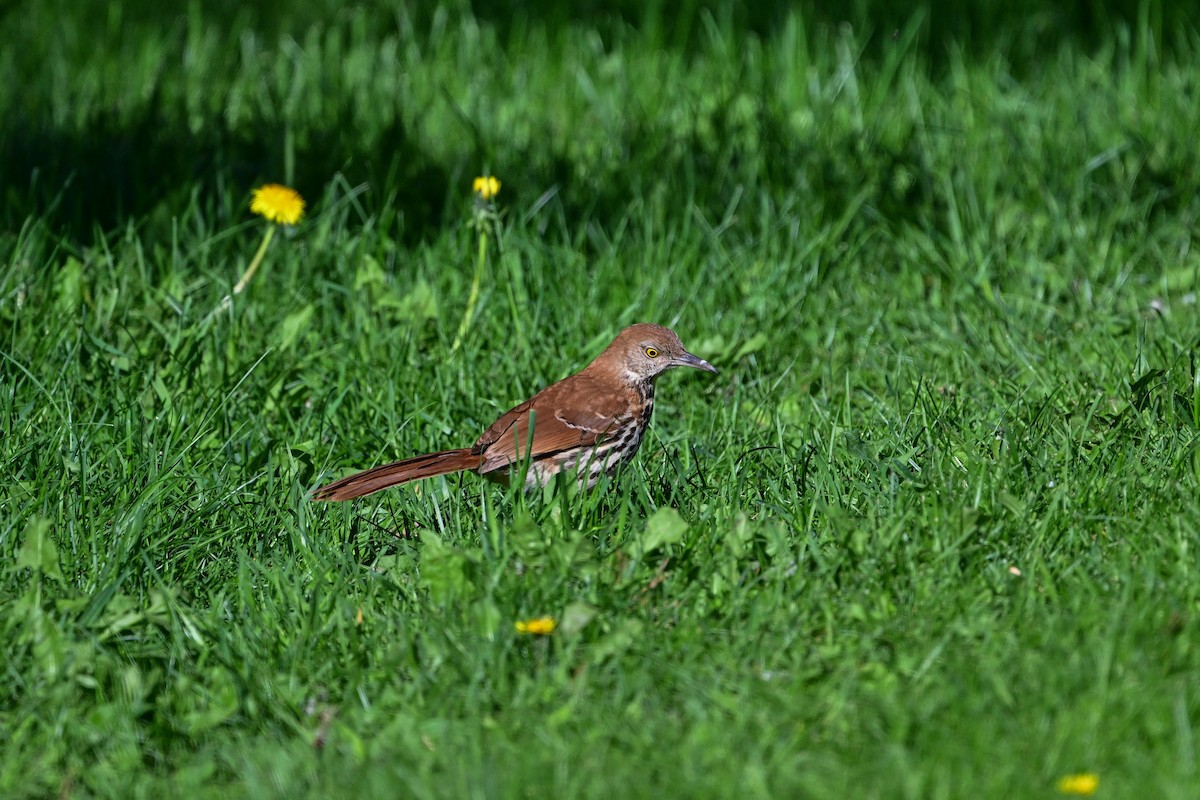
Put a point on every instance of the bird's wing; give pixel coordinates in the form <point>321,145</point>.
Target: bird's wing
<point>560,420</point>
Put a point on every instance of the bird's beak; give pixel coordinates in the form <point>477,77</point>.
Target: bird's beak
<point>689,360</point>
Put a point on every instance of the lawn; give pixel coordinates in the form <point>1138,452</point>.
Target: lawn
<point>931,532</point>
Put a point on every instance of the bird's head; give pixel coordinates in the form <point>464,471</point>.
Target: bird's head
<point>643,352</point>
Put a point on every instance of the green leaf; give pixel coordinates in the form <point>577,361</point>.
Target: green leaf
<point>740,535</point>
<point>751,345</point>
<point>38,550</point>
<point>70,286</point>
<point>419,304</point>
<point>214,706</point>
<point>369,273</point>
<point>292,326</point>
<point>488,617</point>
<point>443,569</point>
<point>665,527</point>
<point>575,618</point>
<point>616,642</point>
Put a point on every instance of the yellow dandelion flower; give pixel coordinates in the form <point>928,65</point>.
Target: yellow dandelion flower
<point>487,187</point>
<point>279,204</point>
<point>541,626</point>
<point>1084,783</point>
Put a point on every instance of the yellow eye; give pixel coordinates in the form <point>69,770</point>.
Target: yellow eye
<point>651,352</point>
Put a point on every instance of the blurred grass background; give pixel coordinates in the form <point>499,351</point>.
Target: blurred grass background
<point>136,110</point>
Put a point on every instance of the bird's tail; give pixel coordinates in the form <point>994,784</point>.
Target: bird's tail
<point>373,480</point>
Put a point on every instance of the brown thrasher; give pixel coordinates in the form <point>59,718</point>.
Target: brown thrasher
<point>592,421</point>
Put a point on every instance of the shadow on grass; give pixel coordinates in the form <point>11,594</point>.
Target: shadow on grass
<point>145,164</point>
<point>149,164</point>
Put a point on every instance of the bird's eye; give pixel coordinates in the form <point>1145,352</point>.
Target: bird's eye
<point>651,352</point>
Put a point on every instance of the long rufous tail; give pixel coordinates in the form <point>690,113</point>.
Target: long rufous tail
<point>373,480</point>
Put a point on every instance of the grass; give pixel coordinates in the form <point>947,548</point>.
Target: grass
<point>930,533</point>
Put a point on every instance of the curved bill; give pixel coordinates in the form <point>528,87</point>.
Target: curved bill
<point>689,360</point>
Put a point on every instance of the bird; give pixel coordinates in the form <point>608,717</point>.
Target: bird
<point>591,422</point>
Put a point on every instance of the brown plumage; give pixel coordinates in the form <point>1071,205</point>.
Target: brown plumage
<point>592,422</point>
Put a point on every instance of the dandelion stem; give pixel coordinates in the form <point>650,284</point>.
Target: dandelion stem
<point>254,264</point>
<point>473,297</point>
